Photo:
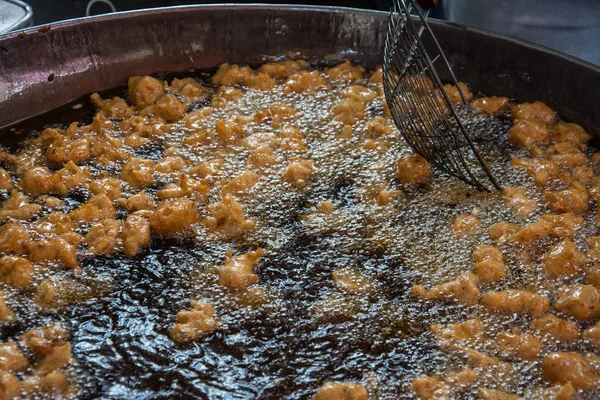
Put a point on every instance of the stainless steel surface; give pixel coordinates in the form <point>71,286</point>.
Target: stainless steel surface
<point>42,69</point>
<point>14,14</point>
<point>419,104</point>
<point>571,26</point>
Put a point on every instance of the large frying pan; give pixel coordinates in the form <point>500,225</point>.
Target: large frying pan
<point>41,69</point>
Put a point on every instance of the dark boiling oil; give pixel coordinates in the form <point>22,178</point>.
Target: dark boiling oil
<point>302,331</point>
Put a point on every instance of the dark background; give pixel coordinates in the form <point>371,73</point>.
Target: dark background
<point>46,11</point>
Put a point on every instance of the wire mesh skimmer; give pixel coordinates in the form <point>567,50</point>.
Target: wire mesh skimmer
<point>420,106</point>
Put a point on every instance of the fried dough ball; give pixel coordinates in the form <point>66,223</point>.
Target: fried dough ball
<point>502,232</point>
<point>292,139</point>
<point>193,324</point>
<point>454,94</point>
<point>137,202</point>
<point>563,154</point>
<point>341,391</point>
<point>173,217</point>
<point>282,69</point>
<point>15,271</point>
<point>38,180</point>
<point>144,127</point>
<point>111,187</point>
<point>413,168</point>
<point>43,341</point>
<point>50,202</point>
<point>564,259</point>
<point>56,359</point>
<point>377,76</point>
<point>6,314</point>
<point>564,225</point>
<point>466,225</point>
<point>18,207</point>
<point>515,302</point>
<point>61,249</point>
<point>61,149</point>
<point>138,172</point>
<point>426,388</point>
<point>581,302</point>
<point>593,275</point>
<point>572,133</point>
<point>102,239</point>
<point>11,358</point>
<point>542,171</point>
<point>479,360</point>
<point>191,90</point>
<point>442,387</point>
<point>111,108</point>
<point>241,183</point>
<point>108,151</point>
<point>54,223</point>
<point>98,207</point>
<point>522,345</point>
<point>238,272</point>
<point>379,126</point>
<point>298,171</point>
<point>517,199</point>
<point>135,141</point>
<point>135,234</point>
<point>489,264</point>
<point>14,238</point>
<point>263,156</point>
<point>532,233</point>
<point>463,289</point>
<point>490,105</point>
<point>228,217</point>
<point>306,81</point>
<point>528,132</point>
<point>593,334</point>
<point>494,394</point>
<point>582,174</point>
<point>208,169</point>
<point>575,199</point>
<point>536,110</point>
<point>556,328</point>
<point>570,368</point>
<point>556,392</point>
<point>467,332</point>
<point>144,90</point>
<point>385,197</point>
<point>53,384</point>
<point>349,111</point>
<point>69,178</point>
<point>10,387</point>
<point>228,131</point>
<point>6,182</point>
<point>346,71</point>
<point>359,93</point>
<point>224,96</point>
<point>280,113</point>
<point>170,164</point>
<point>186,186</point>
<point>233,74</point>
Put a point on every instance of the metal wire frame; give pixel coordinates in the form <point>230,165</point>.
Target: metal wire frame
<point>418,102</point>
